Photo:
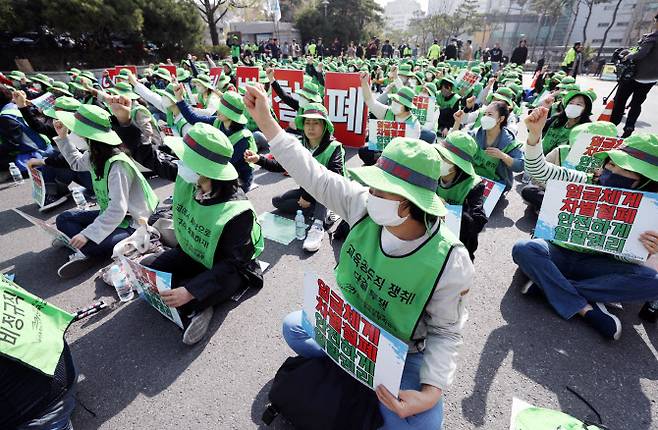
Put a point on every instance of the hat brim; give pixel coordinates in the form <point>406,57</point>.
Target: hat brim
<point>626,161</point>
<point>427,200</point>
<point>131,95</point>
<point>66,92</point>
<point>50,113</point>
<point>163,93</point>
<point>228,113</point>
<point>82,130</point>
<point>204,84</point>
<point>201,165</point>
<point>403,102</point>
<point>41,81</point>
<point>456,160</point>
<point>310,96</point>
<point>162,76</point>
<point>77,86</point>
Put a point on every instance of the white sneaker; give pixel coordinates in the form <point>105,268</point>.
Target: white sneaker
<point>314,237</point>
<point>198,326</point>
<point>77,264</point>
<point>332,218</point>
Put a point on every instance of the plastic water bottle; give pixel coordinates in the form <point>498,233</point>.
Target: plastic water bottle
<point>15,173</point>
<point>79,199</point>
<point>120,283</point>
<point>300,226</point>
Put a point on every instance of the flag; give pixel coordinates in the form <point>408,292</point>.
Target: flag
<point>275,9</point>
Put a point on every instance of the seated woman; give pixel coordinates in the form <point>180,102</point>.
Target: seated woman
<point>122,193</point>
<point>218,235</point>
<point>395,227</point>
<point>577,110</point>
<point>230,120</point>
<point>318,139</point>
<point>578,281</point>
<point>460,185</point>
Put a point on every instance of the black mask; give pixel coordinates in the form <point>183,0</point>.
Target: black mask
<point>609,179</point>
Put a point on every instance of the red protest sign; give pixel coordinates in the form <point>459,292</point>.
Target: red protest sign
<point>107,78</point>
<point>246,74</point>
<point>290,81</point>
<point>171,68</point>
<point>215,73</point>
<point>344,100</point>
<point>133,69</point>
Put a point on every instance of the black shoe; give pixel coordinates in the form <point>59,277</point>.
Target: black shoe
<point>76,265</point>
<point>603,321</point>
<point>627,132</point>
<point>198,326</point>
<point>52,201</point>
<point>649,312</point>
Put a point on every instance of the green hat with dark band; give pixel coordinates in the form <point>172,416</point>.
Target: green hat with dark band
<point>60,87</point>
<point>41,78</point>
<point>167,93</point>
<point>92,122</point>
<point>232,107</point>
<point>206,150</point>
<point>409,168</point>
<point>317,111</point>
<point>163,73</point>
<point>17,75</point>
<point>311,92</point>
<point>404,96</point>
<point>638,153</point>
<point>459,148</point>
<point>204,81</point>
<point>125,89</point>
<point>65,103</point>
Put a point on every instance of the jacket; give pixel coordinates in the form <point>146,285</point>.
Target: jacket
<point>504,138</point>
<point>646,58</point>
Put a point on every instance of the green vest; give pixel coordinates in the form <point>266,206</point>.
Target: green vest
<point>442,103</point>
<point>177,126</point>
<point>239,135</point>
<point>139,108</point>
<point>487,166</point>
<point>324,156</point>
<point>381,287</point>
<point>554,137</point>
<point>456,194</point>
<point>312,49</point>
<point>198,228</point>
<point>390,116</point>
<point>32,330</point>
<point>103,193</point>
<point>235,51</point>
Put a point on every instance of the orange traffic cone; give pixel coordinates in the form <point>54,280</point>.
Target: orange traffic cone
<point>607,111</point>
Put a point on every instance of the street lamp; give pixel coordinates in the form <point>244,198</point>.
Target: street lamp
<point>325,3</point>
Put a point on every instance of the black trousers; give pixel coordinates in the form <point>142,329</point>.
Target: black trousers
<point>287,203</point>
<point>628,88</point>
<point>533,195</point>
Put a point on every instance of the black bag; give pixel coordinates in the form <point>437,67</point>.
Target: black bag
<point>625,70</point>
<point>315,394</point>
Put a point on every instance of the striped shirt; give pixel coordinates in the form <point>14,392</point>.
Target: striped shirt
<point>539,169</point>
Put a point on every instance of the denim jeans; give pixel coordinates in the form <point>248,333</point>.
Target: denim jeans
<point>63,177</point>
<point>74,221</point>
<point>56,417</point>
<point>300,342</point>
<point>571,279</point>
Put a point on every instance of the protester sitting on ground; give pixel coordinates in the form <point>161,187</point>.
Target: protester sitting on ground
<point>460,185</point>
<point>207,100</point>
<point>209,269</point>
<point>123,195</point>
<point>309,93</point>
<point>230,120</point>
<point>500,155</point>
<point>318,139</point>
<point>577,281</point>
<point>577,110</point>
<point>398,212</point>
<point>447,102</point>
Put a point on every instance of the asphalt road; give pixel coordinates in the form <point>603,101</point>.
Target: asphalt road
<point>136,374</point>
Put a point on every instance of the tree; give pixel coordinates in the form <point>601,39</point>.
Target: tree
<point>172,24</point>
<point>605,35</point>
<point>572,25</point>
<point>590,5</point>
<point>212,11</point>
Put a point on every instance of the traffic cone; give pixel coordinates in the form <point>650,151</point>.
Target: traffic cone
<point>607,111</point>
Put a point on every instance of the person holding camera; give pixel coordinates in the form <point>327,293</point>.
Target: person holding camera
<point>645,59</point>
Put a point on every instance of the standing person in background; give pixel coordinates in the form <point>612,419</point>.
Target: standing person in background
<point>351,51</point>
<point>520,53</point>
<point>320,48</point>
<point>495,56</point>
<point>295,50</point>
<point>286,50</point>
<point>570,58</point>
<point>451,50</point>
<point>434,52</point>
<point>359,51</point>
<point>468,51</point>
<point>415,51</point>
<point>336,48</point>
<point>646,59</point>
<point>373,49</point>
<point>387,50</point>
<point>312,48</point>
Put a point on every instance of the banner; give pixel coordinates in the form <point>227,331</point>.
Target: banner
<point>492,193</point>
<point>38,187</point>
<point>50,229</point>
<point>149,283</point>
<point>290,81</point>
<point>361,348</point>
<point>347,108</point>
<point>381,132</point>
<point>580,155</point>
<point>107,78</point>
<point>215,73</point>
<point>453,219</point>
<point>424,108</point>
<point>31,330</point>
<point>599,218</point>
<point>466,79</point>
<point>45,101</point>
<point>246,74</point>
<point>609,73</point>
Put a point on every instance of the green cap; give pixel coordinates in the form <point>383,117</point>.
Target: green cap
<point>61,87</point>
<point>41,78</point>
<point>17,75</point>
<point>204,81</point>
<point>431,88</point>
<point>88,75</point>
<point>66,103</point>
<point>124,74</point>
<point>206,150</point>
<point>223,82</point>
<point>405,70</point>
<point>311,92</point>
<point>409,168</point>
<point>590,94</point>
<point>448,79</point>
<point>317,111</point>
<point>92,122</point>
<point>163,73</point>
<point>74,71</point>
<point>182,74</point>
<point>125,89</point>
<point>638,153</point>
<point>459,148</point>
<point>404,96</point>
<point>232,107</point>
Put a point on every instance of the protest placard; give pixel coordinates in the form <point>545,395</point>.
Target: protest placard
<point>454,218</point>
<point>150,283</point>
<point>603,219</point>
<point>492,193</point>
<point>215,73</point>
<point>45,101</point>
<point>107,78</point>
<point>580,155</point>
<point>171,68</point>
<point>50,229</point>
<point>361,348</point>
<point>466,79</point>
<point>424,108</point>
<point>382,132</point>
<point>525,416</point>
<point>246,74</point>
<point>290,81</point>
<point>38,188</point>
<point>347,108</point>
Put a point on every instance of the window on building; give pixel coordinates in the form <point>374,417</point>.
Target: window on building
<point>616,40</point>
<point>597,40</point>
<point>622,24</point>
<point>603,24</point>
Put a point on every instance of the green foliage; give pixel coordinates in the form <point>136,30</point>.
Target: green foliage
<point>347,20</point>
<point>171,23</point>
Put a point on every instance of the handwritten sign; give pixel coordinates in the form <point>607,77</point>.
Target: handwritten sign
<point>361,348</point>
<point>580,155</point>
<point>466,79</point>
<point>603,219</point>
<point>382,132</point>
<point>492,193</point>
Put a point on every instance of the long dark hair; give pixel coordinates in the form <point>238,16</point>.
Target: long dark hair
<point>326,137</point>
<point>99,153</point>
<point>584,117</point>
<point>223,190</point>
<point>502,110</point>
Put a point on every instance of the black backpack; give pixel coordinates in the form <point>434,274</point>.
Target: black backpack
<point>316,394</point>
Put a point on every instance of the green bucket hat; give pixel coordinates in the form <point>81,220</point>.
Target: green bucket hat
<point>448,79</point>
<point>590,94</point>
<point>64,103</point>
<point>125,89</point>
<point>262,77</point>
<point>88,75</point>
<point>409,168</point>
<point>638,153</point>
<point>163,73</point>
<point>232,107</point>
<point>182,74</point>
<point>167,93</point>
<point>204,81</point>
<point>92,122</point>
<point>60,87</point>
<point>41,78</point>
<point>17,75</point>
<point>77,84</point>
<point>459,148</point>
<point>404,96</point>
<point>74,71</point>
<point>310,91</point>
<point>405,70</point>
<point>124,74</point>
<point>317,111</point>
<point>431,88</point>
<point>206,150</point>
<point>223,82</point>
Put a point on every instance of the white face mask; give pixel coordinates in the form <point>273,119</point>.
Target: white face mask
<point>446,168</point>
<point>488,122</point>
<point>573,111</point>
<point>396,108</point>
<point>384,212</point>
<point>412,83</point>
<point>187,174</point>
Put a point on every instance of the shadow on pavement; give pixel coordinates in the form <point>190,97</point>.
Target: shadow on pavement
<point>258,407</point>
